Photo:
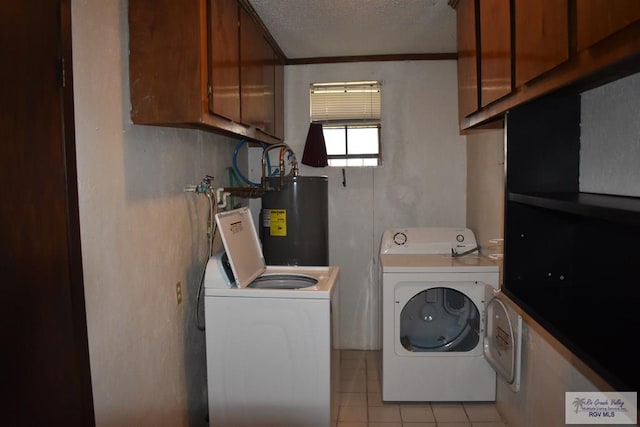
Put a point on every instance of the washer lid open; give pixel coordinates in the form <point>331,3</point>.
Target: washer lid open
<point>242,245</point>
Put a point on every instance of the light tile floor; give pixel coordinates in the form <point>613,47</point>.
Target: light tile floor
<point>361,405</point>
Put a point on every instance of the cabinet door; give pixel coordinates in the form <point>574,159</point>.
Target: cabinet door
<point>165,57</point>
<point>597,19</point>
<point>542,37</point>
<point>224,62</point>
<point>252,102</point>
<point>268,71</point>
<point>495,50</point>
<point>279,99</point>
<point>467,58</point>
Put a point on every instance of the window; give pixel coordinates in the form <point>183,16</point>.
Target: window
<point>350,117</point>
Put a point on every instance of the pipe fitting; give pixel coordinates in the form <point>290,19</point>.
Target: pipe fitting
<point>284,148</point>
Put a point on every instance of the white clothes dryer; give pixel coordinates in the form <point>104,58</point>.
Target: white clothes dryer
<point>435,327</point>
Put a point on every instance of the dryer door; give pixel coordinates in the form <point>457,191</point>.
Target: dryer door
<point>503,338</point>
<point>438,317</point>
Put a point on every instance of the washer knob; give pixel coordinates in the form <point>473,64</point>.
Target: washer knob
<point>460,238</point>
<point>399,238</point>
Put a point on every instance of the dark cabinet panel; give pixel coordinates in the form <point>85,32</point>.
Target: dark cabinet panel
<point>625,210</point>
<point>570,258</point>
<point>543,154</point>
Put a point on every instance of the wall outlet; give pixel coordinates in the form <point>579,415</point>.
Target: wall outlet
<point>179,292</point>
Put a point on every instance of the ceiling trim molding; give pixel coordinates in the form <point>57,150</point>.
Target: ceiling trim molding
<point>447,56</point>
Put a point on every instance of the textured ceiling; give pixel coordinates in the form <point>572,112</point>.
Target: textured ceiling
<point>327,28</point>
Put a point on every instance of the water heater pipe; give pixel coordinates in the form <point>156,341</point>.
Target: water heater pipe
<point>284,148</point>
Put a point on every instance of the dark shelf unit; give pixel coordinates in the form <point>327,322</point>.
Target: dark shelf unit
<point>570,257</point>
<point>608,207</point>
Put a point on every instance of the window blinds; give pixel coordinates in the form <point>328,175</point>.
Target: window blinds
<point>345,103</point>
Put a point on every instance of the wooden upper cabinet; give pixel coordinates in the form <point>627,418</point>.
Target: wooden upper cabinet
<point>191,65</point>
<point>542,46</point>
<point>269,79</point>
<point>467,58</point>
<point>251,72</point>
<point>598,19</point>
<point>224,77</point>
<point>165,62</point>
<point>259,89</point>
<point>278,114</point>
<point>541,37</point>
<point>495,50</point>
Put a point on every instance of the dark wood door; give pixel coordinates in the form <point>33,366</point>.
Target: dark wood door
<point>542,37</point>
<point>225,59</point>
<point>468,95</point>
<point>495,50</point>
<point>598,19</point>
<point>45,358</point>
<point>278,114</point>
<point>252,84</point>
<point>269,79</point>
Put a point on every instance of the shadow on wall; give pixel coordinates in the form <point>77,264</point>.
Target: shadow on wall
<point>156,164</point>
<point>195,364</point>
<point>194,350</point>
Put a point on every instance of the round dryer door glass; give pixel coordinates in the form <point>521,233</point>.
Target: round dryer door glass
<point>439,319</point>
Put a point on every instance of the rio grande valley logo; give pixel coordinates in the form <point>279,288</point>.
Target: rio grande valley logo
<point>601,407</point>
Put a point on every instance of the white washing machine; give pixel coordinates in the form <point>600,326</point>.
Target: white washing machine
<point>445,325</point>
<point>270,359</point>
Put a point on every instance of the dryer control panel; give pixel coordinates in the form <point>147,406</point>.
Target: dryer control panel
<point>427,240</point>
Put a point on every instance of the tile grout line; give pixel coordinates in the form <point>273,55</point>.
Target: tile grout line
<point>370,362</point>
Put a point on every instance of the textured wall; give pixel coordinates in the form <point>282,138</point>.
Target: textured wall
<point>548,371</point>
<point>140,235</point>
<point>610,138</point>
<point>485,187</point>
<point>422,181</point>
